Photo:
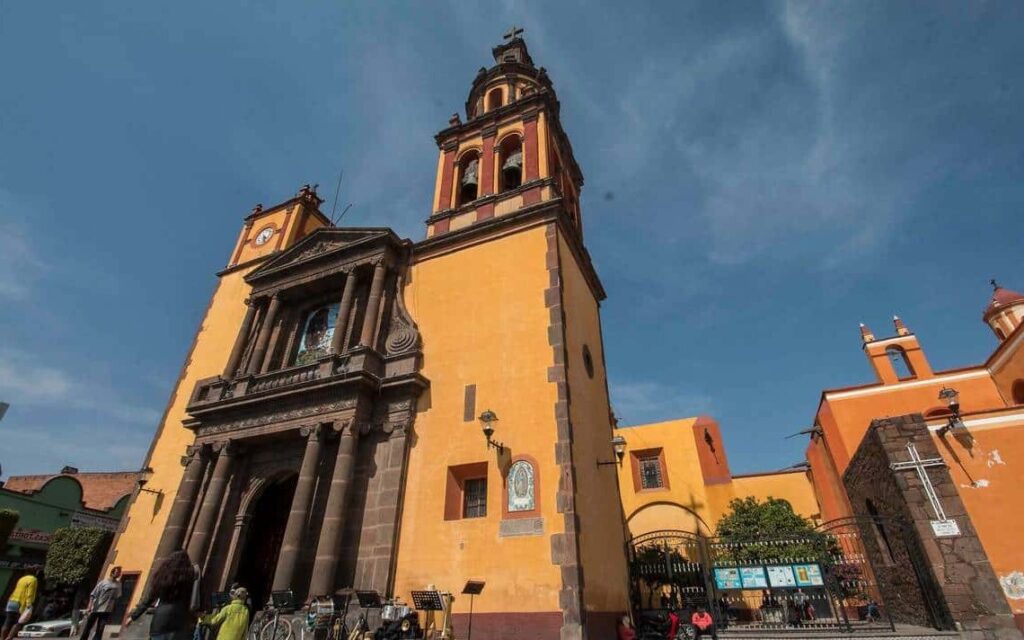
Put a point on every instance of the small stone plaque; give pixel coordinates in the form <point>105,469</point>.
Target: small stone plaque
<point>945,528</point>
<point>521,527</point>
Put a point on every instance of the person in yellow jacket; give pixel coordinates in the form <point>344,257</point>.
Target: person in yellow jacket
<point>19,606</point>
<point>233,619</point>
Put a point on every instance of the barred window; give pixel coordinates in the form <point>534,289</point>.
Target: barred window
<point>474,498</point>
<point>650,473</point>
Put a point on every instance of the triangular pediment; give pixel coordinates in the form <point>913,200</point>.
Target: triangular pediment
<point>318,245</point>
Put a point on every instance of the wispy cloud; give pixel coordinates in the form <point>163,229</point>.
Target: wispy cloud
<point>644,401</point>
<point>20,265</point>
<point>24,381</point>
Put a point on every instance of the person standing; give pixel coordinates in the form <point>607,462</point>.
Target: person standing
<point>19,606</point>
<point>233,619</point>
<point>101,603</point>
<point>171,588</point>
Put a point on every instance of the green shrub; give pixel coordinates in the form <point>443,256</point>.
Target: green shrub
<point>75,554</point>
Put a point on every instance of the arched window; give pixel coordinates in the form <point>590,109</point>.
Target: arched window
<point>469,178</point>
<point>900,363</point>
<point>1018,391</point>
<point>494,99</point>
<point>1000,333</point>
<point>937,412</point>
<point>510,159</point>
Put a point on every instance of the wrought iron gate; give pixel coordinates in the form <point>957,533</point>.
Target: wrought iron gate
<point>822,579</point>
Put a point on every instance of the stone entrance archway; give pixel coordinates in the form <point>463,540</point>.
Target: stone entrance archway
<point>268,515</point>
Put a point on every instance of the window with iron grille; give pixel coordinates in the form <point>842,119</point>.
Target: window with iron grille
<point>650,472</point>
<point>474,498</point>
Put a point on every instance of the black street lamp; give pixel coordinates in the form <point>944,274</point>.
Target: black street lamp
<point>488,418</point>
<point>619,447</point>
<point>952,398</point>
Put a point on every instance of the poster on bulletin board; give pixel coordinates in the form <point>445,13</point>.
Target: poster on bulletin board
<point>781,576</point>
<point>808,575</point>
<point>753,577</point>
<point>728,578</point>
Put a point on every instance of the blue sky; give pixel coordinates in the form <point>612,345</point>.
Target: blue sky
<point>759,178</point>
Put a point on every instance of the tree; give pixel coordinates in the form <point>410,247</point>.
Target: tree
<point>75,556</point>
<point>769,532</point>
<point>8,520</point>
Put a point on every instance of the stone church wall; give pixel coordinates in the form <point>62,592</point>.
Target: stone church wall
<point>952,573</point>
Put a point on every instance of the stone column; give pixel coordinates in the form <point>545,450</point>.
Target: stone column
<point>373,304</point>
<point>326,566</point>
<point>194,462</point>
<point>243,338</point>
<point>292,541</point>
<point>531,148</point>
<point>264,338</point>
<point>198,546</point>
<point>344,309</point>
<point>487,160</point>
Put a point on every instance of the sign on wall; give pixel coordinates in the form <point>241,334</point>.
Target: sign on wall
<point>728,578</point>
<point>781,576</point>
<point>753,577</point>
<point>945,528</point>
<point>808,575</point>
<point>81,520</point>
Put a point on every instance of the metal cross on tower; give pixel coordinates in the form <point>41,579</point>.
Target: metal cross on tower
<point>921,465</point>
<point>513,33</point>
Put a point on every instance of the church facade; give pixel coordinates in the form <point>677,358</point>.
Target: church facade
<point>328,426</point>
<point>968,418</point>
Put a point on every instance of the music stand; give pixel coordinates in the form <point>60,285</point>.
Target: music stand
<point>427,600</point>
<point>472,588</point>
<point>283,600</point>
<point>369,599</point>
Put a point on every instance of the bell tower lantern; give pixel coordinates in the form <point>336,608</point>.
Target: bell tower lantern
<point>510,153</point>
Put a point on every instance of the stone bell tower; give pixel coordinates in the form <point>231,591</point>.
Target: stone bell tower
<point>511,153</point>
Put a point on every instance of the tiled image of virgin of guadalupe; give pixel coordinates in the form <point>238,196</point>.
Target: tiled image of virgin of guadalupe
<point>317,334</point>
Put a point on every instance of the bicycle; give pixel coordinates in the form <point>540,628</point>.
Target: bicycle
<point>275,627</point>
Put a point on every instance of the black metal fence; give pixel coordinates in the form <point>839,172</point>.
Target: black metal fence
<point>821,579</point>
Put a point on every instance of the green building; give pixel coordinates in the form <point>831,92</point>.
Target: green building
<point>46,503</point>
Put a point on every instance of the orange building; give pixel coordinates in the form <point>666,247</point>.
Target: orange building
<point>328,426</point>
<point>676,477</point>
<point>982,447</point>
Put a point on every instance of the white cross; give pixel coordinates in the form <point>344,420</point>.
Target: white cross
<point>920,465</point>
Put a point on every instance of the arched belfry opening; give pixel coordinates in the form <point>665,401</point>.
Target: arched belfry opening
<point>510,159</point>
<point>268,515</point>
<point>469,178</point>
<point>494,99</point>
<point>900,362</point>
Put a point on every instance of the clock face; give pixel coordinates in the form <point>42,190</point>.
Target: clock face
<point>263,236</point>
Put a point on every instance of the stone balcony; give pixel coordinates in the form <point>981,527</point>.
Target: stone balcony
<point>359,370</point>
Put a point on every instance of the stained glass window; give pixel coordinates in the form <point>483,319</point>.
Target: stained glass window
<point>317,333</point>
<point>474,498</point>
<point>520,487</point>
<point>650,472</point>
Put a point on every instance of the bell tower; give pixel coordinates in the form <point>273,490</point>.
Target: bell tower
<point>510,153</point>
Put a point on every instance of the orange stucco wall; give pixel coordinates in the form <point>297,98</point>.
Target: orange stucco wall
<point>793,486</point>
<point>696,495</point>
<point>684,503</point>
<point>482,317</point>
<point>597,502</point>
<point>989,476</point>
